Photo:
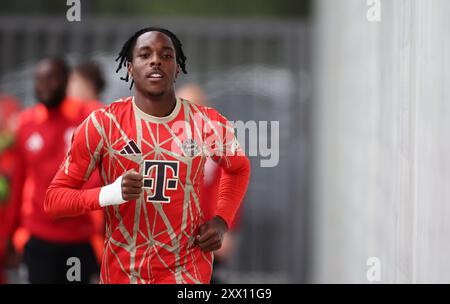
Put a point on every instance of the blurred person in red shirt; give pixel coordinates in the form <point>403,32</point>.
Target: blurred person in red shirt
<point>210,190</point>
<point>86,84</point>
<point>42,141</point>
<point>9,108</point>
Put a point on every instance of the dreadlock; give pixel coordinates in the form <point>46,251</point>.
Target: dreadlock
<point>126,54</point>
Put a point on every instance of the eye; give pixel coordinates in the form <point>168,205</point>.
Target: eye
<point>144,55</point>
<point>167,56</point>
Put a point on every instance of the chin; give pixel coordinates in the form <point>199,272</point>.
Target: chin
<point>51,103</point>
<point>156,93</point>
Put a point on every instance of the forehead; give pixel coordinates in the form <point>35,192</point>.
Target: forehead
<point>48,67</point>
<point>154,39</point>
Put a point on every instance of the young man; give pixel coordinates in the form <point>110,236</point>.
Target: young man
<point>9,108</point>
<point>151,149</point>
<point>41,142</point>
<point>86,82</point>
<point>85,85</point>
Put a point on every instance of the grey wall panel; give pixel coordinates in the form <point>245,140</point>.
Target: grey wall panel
<point>382,129</point>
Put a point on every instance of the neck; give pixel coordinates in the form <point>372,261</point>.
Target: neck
<point>159,106</point>
<point>53,107</point>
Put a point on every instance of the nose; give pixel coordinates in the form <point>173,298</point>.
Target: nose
<point>155,61</point>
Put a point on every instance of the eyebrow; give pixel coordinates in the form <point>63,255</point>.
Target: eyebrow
<point>164,48</point>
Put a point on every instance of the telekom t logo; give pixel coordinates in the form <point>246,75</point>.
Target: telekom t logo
<point>159,183</point>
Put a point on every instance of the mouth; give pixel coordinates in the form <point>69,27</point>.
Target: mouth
<point>154,75</point>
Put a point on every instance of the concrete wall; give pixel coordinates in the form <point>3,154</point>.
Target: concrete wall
<point>382,123</point>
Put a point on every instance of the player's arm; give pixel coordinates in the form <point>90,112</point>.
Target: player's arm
<point>232,185</point>
<point>65,197</point>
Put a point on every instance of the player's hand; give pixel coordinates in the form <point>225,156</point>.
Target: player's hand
<point>210,234</point>
<point>132,183</point>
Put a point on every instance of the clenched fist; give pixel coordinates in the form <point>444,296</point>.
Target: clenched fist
<point>132,183</point>
<point>210,234</point>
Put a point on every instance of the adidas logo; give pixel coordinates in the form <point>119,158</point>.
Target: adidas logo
<point>130,148</point>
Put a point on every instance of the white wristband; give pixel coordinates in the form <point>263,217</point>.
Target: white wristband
<point>111,194</point>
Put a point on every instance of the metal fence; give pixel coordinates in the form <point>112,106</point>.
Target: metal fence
<point>251,70</point>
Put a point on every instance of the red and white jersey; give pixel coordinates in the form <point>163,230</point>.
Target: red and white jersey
<point>151,239</point>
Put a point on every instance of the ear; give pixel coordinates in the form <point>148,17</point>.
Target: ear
<point>177,72</point>
<point>130,70</point>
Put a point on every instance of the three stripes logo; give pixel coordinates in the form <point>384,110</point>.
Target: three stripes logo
<point>130,148</point>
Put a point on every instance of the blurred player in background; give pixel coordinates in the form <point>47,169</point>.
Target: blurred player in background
<point>42,140</point>
<point>151,149</point>
<point>9,108</point>
<point>210,190</point>
<point>86,84</point>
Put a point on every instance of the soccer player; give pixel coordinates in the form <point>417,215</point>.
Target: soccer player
<point>151,149</point>
<point>9,108</point>
<point>42,140</point>
<point>86,82</point>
